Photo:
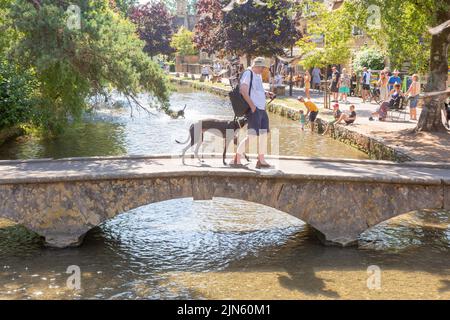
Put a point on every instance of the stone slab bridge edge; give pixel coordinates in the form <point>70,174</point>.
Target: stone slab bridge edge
<point>64,210</point>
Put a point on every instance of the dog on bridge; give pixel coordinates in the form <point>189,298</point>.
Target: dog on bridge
<point>216,127</point>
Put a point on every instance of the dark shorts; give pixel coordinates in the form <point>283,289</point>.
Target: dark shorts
<point>366,86</point>
<point>258,121</point>
<point>313,116</point>
<point>349,121</point>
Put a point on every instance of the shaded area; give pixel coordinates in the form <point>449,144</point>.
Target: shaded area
<point>422,146</point>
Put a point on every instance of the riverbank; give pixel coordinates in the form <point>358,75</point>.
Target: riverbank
<point>389,140</point>
<point>7,134</point>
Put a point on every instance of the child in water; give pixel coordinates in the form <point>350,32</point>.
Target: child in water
<point>302,120</point>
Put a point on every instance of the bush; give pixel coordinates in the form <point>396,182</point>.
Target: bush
<point>370,58</point>
<point>16,95</point>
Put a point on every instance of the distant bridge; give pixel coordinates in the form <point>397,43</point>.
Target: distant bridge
<point>61,200</point>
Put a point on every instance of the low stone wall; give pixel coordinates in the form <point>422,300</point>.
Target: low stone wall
<point>10,133</point>
<point>370,145</point>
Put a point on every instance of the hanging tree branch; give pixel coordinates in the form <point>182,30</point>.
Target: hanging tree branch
<point>440,28</point>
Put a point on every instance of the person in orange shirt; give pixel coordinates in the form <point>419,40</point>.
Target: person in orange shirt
<point>312,111</point>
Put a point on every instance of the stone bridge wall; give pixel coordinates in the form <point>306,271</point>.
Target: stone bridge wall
<point>64,211</point>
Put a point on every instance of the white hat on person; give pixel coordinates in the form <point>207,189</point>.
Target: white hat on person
<point>259,62</point>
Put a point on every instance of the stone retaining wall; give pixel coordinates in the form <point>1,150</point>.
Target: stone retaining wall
<point>370,145</point>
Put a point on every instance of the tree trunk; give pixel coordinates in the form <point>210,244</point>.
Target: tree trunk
<point>431,117</point>
<point>249,60</point>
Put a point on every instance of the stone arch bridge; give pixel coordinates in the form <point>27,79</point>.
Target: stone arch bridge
<point>61,200</point>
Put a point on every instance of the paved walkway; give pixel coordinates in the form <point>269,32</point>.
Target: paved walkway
<point>12,172</point>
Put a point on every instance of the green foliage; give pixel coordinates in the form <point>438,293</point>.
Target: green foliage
<point>248,29</point>
<point>183,42</point>
<point>335,28</point>
<point>72,65</point>
<point>403,29</point>
<point>123,6</point>
<point>16,94</point>
<point>371,58</point>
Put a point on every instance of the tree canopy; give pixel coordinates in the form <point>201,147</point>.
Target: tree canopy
<point>155,27</point>
<point>73,62</point>
<point>334,28</point>
<point>183,43</point>
<point>249,29</point>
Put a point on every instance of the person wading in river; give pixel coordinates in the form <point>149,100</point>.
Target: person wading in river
<point>258,119</point>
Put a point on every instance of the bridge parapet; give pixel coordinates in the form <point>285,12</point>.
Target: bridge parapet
<point>62,200</point>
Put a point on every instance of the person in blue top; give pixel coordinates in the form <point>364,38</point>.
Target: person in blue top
<point>394,79</point>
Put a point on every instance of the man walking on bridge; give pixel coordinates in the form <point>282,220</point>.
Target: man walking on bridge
<point>258,119</point>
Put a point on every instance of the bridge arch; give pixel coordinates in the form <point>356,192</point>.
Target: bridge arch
<point>340,209</point>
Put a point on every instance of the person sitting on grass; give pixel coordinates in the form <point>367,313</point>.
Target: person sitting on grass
<point>312,113</point>
<point>381,113</point>
<point>337,113</point>
<point>348,118</point>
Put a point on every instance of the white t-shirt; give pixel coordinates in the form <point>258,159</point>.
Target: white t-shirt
<point>367,77</point>
<point>258,94</point>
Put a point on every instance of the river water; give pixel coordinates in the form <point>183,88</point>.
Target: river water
<point>220,249</point>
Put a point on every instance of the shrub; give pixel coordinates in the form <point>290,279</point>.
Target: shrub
<point>370,58</point>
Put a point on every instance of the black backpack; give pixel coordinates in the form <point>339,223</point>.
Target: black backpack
<point>240,106</point>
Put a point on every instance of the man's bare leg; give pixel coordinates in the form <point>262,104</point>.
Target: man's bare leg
<point>262,148</point>
<point>240,151</point>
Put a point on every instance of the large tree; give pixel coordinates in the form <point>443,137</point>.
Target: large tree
<point>333,28</point>
<point>75,61</point>
<point>249,29</point>
<point>404,28</point>
<point>401,28</point>
<point>155,26</point>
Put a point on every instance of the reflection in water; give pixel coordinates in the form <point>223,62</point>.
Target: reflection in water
<point>215,249</point>
<point>228,249</point>
<point>114,132</point>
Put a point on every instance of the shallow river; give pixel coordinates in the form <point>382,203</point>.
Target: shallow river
<point>220,249</point>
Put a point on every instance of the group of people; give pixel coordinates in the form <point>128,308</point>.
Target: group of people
<point>258,120</point>
<point>207,71</point>
<point>312,111</point>
<point>392,97</point>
